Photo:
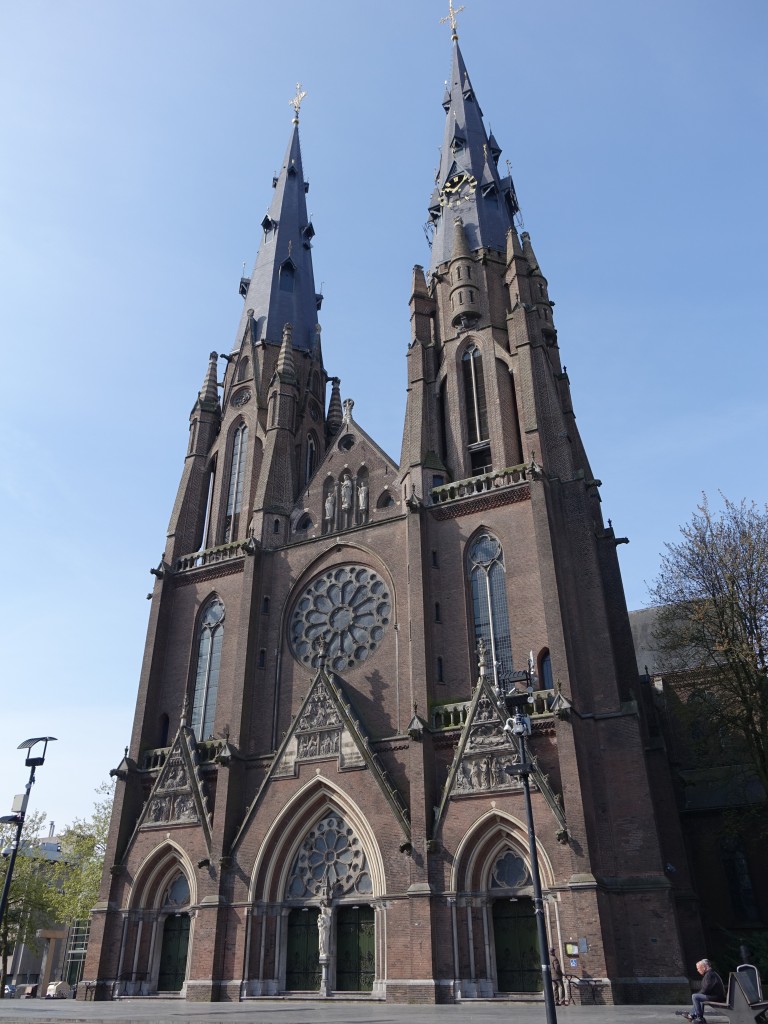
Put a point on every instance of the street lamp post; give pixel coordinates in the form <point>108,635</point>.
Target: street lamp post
<point>20,812</point>
<point>519,726</point>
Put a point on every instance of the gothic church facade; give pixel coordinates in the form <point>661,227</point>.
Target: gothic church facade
<point>315,798</point>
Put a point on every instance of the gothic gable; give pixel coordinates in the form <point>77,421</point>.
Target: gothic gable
<point>483,754</point>
<point>355,481</point>
<point>325,729</point>
<point>178,796</point>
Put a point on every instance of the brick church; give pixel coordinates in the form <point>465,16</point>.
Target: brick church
<point>315,799</point>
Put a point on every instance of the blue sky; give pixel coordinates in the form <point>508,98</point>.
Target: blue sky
<point>139,143</point>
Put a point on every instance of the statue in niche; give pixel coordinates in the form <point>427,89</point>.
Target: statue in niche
<point>362,497</point>
<point>324,931</point>
<point>346,494</point>
<point>330,507</point>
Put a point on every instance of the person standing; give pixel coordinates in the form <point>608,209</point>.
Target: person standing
<point>557,977</point>
<point>711,990</point>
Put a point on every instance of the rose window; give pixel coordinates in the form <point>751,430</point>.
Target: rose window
<point>330,855</point>
<point>350,608</point>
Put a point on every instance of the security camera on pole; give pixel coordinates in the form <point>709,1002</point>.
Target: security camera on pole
<point>518,727</point>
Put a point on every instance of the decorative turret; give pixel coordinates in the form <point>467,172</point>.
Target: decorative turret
<point>335,415</point>
<point>208,396</point>
<point>286,368</point>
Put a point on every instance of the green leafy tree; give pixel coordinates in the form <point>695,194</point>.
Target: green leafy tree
<point>32,899</point>
<point>712,599</point>
<point>83,845</point>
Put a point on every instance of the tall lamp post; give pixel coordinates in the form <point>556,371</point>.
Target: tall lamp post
<point>519,726</point>
<point>20,812</point>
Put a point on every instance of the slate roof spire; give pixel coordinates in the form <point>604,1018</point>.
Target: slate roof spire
<point>468,182</point>
<point>281,288</point>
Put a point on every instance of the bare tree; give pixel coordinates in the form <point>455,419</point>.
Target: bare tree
<point>712,597</point>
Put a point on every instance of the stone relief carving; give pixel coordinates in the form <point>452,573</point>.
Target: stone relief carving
<point>320,711</point>
<point>476,774</point>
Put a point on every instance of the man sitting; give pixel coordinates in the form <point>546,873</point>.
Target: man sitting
<point>711,991</point>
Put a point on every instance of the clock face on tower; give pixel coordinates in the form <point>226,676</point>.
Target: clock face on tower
<point>350,608</point>
<point>458,188</point>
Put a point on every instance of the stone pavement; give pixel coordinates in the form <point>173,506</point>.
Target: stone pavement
<point>290,1011</point>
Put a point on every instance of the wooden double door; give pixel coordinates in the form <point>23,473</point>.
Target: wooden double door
<point>353,953</point>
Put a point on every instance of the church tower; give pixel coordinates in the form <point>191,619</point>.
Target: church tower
<point>319,794</point>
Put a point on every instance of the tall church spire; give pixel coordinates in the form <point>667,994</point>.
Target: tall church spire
<point>468,182</point>
<point>281,288</point>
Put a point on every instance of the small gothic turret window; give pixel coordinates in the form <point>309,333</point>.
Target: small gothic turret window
<point>440,670</point>
<point>210,634</point>
<point>236,476</point>
<point>485,566</point>
<point>287,277</point>
<point>243,369</point>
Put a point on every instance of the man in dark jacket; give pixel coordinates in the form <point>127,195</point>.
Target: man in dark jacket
<point>711,991</point>
<point>557,978</point>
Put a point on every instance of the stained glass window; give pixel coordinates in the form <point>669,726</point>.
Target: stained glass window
<point>331,855</point>
<point>489,604</point>
<point>210,635</point>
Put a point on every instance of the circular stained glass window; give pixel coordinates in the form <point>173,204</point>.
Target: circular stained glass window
<point>350,608</point>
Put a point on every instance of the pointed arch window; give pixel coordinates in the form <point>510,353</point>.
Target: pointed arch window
<point>476,407</point>
<point>236,476</point>
<point>311,460</point>
<point>489,604</point>
<point>209,640</point>
<point>474,394</point>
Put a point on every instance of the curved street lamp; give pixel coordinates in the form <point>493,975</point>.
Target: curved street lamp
<point>20,812</point>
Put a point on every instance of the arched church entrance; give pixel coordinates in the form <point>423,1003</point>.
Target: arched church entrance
<point>317,924</point>
<point>514,926</point>
<point>172,967</point>
<point>494,906</point>
<point>330,873</point>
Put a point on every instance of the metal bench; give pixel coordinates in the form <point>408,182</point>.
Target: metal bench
<point>744,1003</point>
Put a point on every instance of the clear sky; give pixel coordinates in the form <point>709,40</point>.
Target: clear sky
<point>139,140</point>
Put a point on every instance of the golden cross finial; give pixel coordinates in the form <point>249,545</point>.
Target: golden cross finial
<point>451,16</point>
<point>296,102</point>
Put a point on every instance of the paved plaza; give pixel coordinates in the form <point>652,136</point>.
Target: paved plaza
<point>289,1011</point>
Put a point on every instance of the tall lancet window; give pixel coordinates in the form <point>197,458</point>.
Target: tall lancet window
<point>209,637</point>
<point>236,475</point>
<point>311,460</point>
<point>489,604</point>
<point>477,410</point>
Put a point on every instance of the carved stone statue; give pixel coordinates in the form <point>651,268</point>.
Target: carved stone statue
<point>346,494</point>
<point>362,497</point>
<point>324,931</point>
<point>330,507</point>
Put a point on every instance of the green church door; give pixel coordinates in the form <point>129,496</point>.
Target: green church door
<point>355,949</point>
<point>173,954</point>
<point>517,948</point>
<point>302,965</point>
